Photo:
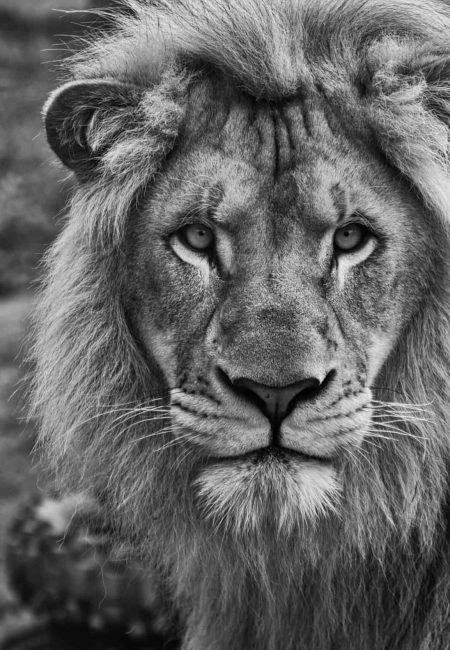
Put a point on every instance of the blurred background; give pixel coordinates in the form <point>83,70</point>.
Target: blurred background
<point>34,34</point>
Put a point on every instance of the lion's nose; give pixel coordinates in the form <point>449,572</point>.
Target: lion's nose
<point>277,402</point>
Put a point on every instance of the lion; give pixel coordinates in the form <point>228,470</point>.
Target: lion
<point>242,346</point>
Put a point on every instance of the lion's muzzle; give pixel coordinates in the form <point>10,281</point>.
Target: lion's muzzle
<point>276,402</point>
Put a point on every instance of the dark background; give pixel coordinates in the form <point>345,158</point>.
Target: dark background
<point>33,193</point>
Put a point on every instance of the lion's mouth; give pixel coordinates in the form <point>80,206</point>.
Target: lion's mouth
<point>275,452</point>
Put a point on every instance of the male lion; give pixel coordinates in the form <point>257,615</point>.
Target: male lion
<point>242,347</point>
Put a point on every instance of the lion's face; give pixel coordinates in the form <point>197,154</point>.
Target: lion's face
<point>270,274</point>
<point>242,347</point>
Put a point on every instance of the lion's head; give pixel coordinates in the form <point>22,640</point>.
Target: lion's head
<point>243,345</point>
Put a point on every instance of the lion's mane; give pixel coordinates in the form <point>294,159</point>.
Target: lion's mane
<point>380,579</point>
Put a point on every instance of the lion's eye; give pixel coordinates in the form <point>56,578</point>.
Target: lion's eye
<point>197,236</point>
<point>350,237</point>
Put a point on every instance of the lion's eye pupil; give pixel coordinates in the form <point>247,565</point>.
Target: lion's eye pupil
<point>198,236</point>
<point>349,237</point>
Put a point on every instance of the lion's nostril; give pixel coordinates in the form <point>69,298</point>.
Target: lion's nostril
<point>277,402</point>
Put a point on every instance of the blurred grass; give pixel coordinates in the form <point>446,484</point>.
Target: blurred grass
<point>17,478</point>
<point>31,193</point>
<point>40,9</point>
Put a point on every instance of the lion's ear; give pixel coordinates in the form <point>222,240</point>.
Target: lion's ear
<point>82,119</point>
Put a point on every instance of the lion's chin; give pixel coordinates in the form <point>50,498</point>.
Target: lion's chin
<point>284,491</point>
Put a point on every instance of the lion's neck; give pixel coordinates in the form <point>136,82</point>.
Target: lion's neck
<point>281,597</point>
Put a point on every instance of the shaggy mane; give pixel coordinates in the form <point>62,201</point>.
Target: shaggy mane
<point>267,48</point>
<point>384,68</point>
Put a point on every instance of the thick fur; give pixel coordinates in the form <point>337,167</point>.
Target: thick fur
<point>377,575</point>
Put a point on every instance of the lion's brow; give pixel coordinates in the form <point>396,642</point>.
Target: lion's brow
<point>276,134</point>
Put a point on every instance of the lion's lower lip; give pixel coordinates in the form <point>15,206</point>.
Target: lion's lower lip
<point>272,452</point>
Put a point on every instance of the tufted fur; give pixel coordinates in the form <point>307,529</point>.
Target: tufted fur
<point>377,574</point>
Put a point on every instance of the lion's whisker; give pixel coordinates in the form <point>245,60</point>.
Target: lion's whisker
<point>385,426</point>
<point>175,441</point>
<point>154,434</point>
<point>405,416</point>
<point>357,454</point>
<point>124,413</point>
<point>402,404</point>
<point>160,414</point>
<point>368,441</point>
<point>130,425</point>
<point>383,421</point>
<point>393,433</point>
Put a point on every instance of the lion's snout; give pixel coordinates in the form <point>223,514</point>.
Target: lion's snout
<point>277,401</point>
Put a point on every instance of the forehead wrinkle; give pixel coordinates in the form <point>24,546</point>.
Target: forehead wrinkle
<point>212,198</point>
<point>341,202</point>
<point>273,137</point>
<point>325,198</point>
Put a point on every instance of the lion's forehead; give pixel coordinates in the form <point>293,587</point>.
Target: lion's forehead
<point>274,137</point>
<point>261,163</point>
